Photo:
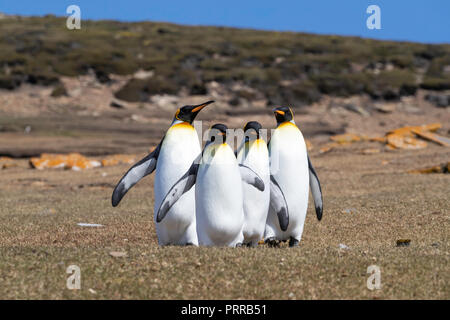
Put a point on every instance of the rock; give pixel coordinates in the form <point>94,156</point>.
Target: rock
<point>443,168</point>
<point>116,105</point>
<point>8,165</point>
<point>385,108</point>
<point>349,211</point>
<point>403,242</point>
<point>6,162</point>
<point>116,159</point>
<point>90,225</point>
<point>443,141</point>
<point>118,254</point>
<point>404,138</point>
<point>343,246</point>
<point>402,142</point>
<point>439,100</point>
<point>357,109</point>
<point>74,161</point>
<point>328,147</point>
<point>346,138</point>
<point>143,74</point>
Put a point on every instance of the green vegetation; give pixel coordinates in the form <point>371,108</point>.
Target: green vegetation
<point>38,50</point>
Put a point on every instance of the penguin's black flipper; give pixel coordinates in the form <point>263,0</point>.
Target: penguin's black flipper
<point>316,190</point>
<point>279,204</point>
<point>142,168</point>
<point>251,177</point>
<point>183,185</point>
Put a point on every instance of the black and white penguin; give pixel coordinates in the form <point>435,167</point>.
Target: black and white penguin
<point>171,158</point>
<point>292,169</point>
<point>253,153</point>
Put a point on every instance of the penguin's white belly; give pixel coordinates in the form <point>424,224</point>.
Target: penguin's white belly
<point>256,203</point>
<point>178,151</point>
<point>218,196</point>
<point>289,167</point>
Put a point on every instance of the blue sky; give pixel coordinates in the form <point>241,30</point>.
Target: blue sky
<point>409,20</point>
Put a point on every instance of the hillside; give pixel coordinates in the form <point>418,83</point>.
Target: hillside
<point>277,67</point>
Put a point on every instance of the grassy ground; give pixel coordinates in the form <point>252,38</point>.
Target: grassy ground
<point>40,238</point>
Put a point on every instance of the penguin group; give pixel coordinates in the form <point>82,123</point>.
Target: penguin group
<point>217,196</point>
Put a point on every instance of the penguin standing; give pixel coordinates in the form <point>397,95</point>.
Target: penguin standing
<point>291,167</point>
<point>254,154</point>
<point>171,158</point>
<point>218,193</point>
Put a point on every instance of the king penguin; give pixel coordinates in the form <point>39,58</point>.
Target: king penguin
<point>253,153</point>
<point>292,169</point>
<point>218,192</point>
<point>171,158</point>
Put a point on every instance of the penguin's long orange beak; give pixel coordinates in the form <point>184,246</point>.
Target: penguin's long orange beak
<point>201,106</point>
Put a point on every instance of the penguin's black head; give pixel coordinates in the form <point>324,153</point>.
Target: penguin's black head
<point>188,113</point>
<point>218,133</point>
<point>251,130</point>
<point>283,114</point>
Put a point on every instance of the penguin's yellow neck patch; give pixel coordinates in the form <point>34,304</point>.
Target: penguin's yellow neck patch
<point>286,124</point>
<point>257,142</point>
<point>182,125</point>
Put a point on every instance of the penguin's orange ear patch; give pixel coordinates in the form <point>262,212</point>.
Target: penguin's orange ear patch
<point>177,113</point>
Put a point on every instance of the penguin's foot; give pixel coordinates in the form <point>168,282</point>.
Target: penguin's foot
<point>273,242</point>
<point>250,244</point>
<point>239,245</point>
<point>293,242</point>
<point>189,244</point>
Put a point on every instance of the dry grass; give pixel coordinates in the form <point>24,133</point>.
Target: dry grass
<point>39,238</point>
